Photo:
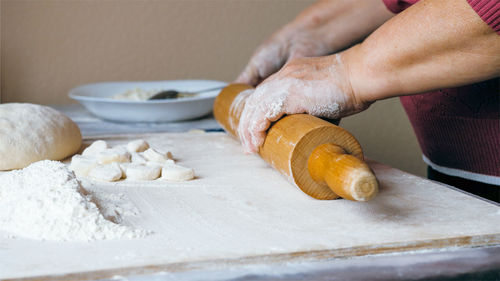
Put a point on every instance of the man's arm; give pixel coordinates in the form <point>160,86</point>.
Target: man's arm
<point>434,44</point>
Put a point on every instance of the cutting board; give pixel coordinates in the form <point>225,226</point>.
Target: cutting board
<point>240,211</point>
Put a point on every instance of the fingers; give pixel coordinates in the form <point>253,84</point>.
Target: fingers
<point>250,75</point>
<point>252,129</point>
<point>260,110</point>
<point>267,60</point>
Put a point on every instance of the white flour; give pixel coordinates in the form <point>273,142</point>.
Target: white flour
<point>45,201</point>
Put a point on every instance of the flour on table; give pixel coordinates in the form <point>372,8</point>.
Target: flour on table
<point>45,201</point>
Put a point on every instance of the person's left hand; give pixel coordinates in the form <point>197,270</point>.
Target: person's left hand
<point>317,86</point>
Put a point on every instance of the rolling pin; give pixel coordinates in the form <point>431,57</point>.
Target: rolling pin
<point>322,159</point>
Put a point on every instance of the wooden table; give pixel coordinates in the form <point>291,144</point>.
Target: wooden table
<point>267,228</point>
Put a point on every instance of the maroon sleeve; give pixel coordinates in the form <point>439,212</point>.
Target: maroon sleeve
<point>397,6</point>
<point>489,11</point>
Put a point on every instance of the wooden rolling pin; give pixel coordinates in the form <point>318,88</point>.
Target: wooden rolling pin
<point>323,160</point>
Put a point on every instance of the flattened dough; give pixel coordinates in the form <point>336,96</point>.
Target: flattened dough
<point>116,154</point>
<point>95,148</point>
<point>142,172</point>
<point>108,172</point>
<point>82,165</point>
<point>155,156</point>
<point>137,146</point>
<point>176,172</point>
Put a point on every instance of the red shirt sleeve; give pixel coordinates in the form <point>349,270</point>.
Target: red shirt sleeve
<point>488,10</point>
<point>397,6</point>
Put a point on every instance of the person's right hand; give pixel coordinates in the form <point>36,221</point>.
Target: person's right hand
<point>287,43</point>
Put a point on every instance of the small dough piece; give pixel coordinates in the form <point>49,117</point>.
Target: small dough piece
<point>108,172</point>
<point>116,154</point>
<point>137,158</point>
<point>137,146</point>
<point>155,156</point>
<point>123,167</point>
<point>95,148</point>
<point>176,172</point>
<point>142,172</point>
<point>82,165</point>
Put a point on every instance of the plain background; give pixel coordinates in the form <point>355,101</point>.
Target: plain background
<point>50,46</point>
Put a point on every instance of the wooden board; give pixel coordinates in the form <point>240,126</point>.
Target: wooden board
<point>240,211</point>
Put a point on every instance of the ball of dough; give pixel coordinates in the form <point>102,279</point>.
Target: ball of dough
<point>30,133</point>
<point>137,158</point>
<point>82,165</point>
<point>95,148</point>
<point>155,156</point>
<point>137,146</point>
<point>116,154</point>
<point>107,172</point>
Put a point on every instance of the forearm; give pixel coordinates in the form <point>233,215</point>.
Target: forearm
<point>432,45</point>
<point>341,23</point>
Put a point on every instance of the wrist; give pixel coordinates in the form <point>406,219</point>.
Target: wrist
<point>370,75</point>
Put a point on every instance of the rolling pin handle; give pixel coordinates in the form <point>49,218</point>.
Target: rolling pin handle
<point>347,176</point>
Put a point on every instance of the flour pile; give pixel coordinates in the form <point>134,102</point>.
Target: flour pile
<point>45,201</point>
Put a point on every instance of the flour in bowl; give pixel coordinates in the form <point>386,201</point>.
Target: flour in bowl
<point>45,201</point>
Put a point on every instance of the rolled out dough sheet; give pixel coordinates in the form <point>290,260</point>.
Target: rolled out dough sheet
<point>240,209</point>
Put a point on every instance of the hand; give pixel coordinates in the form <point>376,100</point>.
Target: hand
<point>324,28</point>
<point>317,86</point>
<point>288,43</point>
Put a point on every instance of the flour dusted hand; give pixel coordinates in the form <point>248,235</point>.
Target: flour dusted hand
<point>295,40</point>
<point>317,86</point>
<point>30,133</point>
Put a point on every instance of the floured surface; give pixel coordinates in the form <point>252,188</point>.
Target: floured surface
<point>239,207</point>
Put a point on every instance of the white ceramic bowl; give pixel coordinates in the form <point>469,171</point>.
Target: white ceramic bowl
<point>97,99</point>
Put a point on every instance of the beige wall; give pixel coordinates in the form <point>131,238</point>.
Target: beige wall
<point>49,46</point>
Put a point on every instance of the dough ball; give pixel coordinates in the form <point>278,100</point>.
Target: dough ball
<point>95,148</point>
<point>108,172</point>
<point>176,172</point>
<point>116,154</point>
<point>142,172</point>
<point>137,158</point>
<point>137,146</point>
<point>82,165</point>
<point>30,133</point>
<point>155,156</point>
<point>123,167</point>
